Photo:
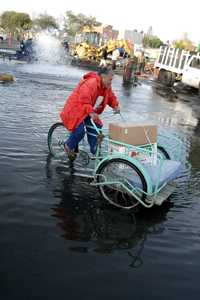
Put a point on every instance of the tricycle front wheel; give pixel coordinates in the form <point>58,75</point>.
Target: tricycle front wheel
<point>115,178</point>
<point>57,135</point>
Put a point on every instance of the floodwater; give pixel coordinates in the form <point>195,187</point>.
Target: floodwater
<point>58,238</point>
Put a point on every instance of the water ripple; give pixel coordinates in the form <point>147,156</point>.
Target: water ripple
<point>55,225</point>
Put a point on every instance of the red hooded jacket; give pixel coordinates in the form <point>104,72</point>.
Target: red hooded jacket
<point>82,100</point>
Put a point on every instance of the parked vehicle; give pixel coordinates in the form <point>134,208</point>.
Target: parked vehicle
<point>178,65</point>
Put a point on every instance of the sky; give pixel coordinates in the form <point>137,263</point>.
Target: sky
<point>169,19</point>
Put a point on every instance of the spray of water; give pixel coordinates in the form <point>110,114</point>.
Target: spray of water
<point>48,49</point>
<point>50,58</point>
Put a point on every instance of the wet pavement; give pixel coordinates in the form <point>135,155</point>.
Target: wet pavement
<point>59,239</point>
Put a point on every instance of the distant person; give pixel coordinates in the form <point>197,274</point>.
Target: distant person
<point>167,43</point>
<point>115,56</point>
<point>122,51</point>
<point>22,46</point>
<point>79,109</point>
<point>129,71</point>
<point>66,45</point>
<point>29,49</point>
<point>21,53</point>
<point>141,62</point>
<point>104,56</point>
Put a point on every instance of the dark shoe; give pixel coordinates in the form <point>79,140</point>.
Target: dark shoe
<point>100,138</point>
<point>76,150</point>
<point>70,153</point>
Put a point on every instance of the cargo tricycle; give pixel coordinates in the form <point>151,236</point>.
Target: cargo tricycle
<point>125,175</point>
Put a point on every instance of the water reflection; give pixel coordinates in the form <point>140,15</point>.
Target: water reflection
<point>98,242</point>
<point>127,90</point>
<point>168,93</point>
<point>91,225</point>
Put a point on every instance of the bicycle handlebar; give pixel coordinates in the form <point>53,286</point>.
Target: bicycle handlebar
<point>98,130</point>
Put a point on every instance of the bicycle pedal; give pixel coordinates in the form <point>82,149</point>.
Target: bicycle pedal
<point>100,138</point>
<point>92,157</point>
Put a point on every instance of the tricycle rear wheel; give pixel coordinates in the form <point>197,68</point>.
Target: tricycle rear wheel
<point>116,170</point>
<point>164,154</point>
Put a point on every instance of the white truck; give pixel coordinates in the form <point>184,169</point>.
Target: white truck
<point>176,64</point>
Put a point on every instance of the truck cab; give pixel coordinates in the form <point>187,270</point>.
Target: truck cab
<point>175,64</point>
<point>191,72</point>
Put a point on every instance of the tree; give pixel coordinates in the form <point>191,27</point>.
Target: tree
<point>15,22</point>
<point>198,48</point>
<point>75,23</point>
<point>184,43</point>
<point>45,21</point>
<point>152,41</point>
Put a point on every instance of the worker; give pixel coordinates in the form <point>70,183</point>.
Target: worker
<point>80,108</point>
<point>141,62</point>
<point>115,57</point>
<point>104,55</point>
<point>129,71</point>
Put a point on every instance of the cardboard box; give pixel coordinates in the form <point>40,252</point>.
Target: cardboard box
<point>148,156</point>
<point>133,133</point>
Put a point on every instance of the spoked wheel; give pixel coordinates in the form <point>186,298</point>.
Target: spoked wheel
<point>57,135</point>
<point>164,154</point>
<point>118,171</point>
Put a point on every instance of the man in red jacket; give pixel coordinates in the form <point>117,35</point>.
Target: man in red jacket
<point>80,108</point>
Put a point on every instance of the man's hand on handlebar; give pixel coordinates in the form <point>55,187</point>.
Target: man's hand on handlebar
<point>94,116</point>
<point>116,109</point>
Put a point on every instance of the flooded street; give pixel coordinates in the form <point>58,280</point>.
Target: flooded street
<point>58,237</point>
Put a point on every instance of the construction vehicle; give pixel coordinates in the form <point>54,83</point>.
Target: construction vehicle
<point>90,43</point>
<point>174,64</point>
<point>92,36</point>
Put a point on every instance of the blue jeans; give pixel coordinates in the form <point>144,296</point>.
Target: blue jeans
<point>78,134</point>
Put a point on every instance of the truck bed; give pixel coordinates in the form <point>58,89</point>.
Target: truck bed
<point>172,59</point>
